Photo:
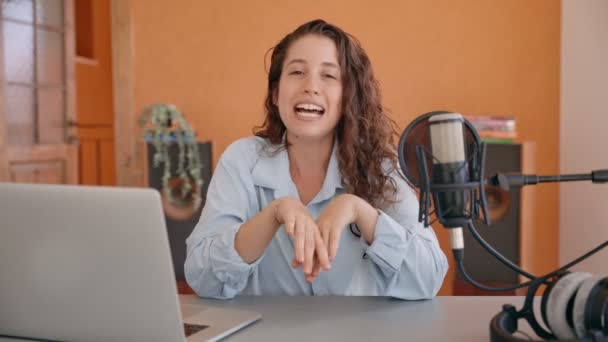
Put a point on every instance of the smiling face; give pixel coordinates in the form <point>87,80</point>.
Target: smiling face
<point>309,95</point>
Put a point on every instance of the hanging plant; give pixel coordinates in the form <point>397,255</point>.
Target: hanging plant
<point>163,125</point>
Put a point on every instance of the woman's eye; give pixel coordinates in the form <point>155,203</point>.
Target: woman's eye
<point>296,72</point>
<point>330,76</point>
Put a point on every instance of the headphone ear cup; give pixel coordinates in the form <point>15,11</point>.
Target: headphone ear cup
<point>581,301</point>
<point>557,304</point>
<point>545,297</point>
<point>596,308</point>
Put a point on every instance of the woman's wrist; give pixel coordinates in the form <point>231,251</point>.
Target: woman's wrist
<point>254,236</point>
<point>366,217</point>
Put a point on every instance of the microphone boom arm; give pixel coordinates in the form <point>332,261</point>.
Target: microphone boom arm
<point>506,181</point>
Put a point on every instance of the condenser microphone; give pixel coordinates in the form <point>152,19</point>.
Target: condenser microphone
<point>449,167</point>
<point>441,154</point>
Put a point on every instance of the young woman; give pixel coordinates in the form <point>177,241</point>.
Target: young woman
<point>314,203</point>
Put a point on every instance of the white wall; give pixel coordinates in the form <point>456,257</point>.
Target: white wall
<point>584,130</point>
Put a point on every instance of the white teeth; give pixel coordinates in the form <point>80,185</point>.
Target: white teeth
<point>309,115</point>
<point>309,106</point>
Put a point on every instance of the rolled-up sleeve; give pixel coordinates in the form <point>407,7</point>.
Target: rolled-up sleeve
<point>213,268</point>
<point>410,263</point>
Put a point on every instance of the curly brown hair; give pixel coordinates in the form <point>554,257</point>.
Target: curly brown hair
<point>366,135</point>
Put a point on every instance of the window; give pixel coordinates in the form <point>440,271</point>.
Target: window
<point>34,71</point>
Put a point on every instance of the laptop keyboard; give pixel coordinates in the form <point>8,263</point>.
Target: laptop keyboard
<point>190,329</point>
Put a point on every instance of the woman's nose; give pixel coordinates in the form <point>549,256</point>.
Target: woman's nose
<point>311,86</point>
<point>311,91</point>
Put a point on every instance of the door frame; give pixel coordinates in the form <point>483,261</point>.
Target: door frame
<point>128,153</point>
<point>4,170</point>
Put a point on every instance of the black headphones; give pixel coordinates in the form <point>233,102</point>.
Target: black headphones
<point>574,307</point>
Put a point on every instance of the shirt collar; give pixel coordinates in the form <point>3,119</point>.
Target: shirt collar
<point>272,171</point>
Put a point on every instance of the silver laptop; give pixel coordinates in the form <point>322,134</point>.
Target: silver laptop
<point>83,263</point>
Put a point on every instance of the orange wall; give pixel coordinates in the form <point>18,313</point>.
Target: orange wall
<point>94,108</point>
<point>470,56</point>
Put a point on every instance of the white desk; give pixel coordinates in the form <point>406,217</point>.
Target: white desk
<point>365,318</point>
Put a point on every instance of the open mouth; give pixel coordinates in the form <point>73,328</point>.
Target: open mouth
<point>309,110</point>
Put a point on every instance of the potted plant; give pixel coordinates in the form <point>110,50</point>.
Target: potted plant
<point>163,126</point>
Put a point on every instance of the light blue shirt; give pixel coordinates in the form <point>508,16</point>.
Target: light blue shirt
<point>403,261</point>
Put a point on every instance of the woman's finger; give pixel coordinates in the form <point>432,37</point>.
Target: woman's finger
<point>299,239</point>
<point>290,226</point>
<point>309,247</point>
<point>324,234</point>
<point>316,270</point>
<point>321,254</point>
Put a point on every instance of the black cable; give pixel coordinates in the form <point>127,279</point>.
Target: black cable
<point>496,254</point>
<point>466,277</point>
<point>458,256</point>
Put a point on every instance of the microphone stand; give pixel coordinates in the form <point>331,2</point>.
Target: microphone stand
<point>475,187</point>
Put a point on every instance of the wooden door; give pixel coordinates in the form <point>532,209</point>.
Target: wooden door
<point>37,142</point>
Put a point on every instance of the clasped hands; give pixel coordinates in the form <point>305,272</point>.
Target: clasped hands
<point>316,241</point>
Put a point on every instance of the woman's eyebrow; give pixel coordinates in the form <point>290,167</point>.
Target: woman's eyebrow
<point>331,65</point>
<point>296,60</point>
<point>303,61</point>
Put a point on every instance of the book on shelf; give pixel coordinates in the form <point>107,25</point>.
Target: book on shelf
<point>494,129</point>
